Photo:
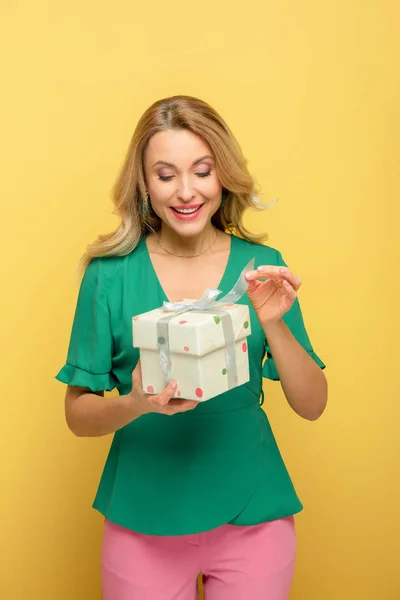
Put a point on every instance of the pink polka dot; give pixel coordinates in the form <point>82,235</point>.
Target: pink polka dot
<point>229,305</point>
<point>178,393</point>
<point>236,380</point>
<point>186,348</point>
<point>199,392</point>
<point>244,347</point>
<point>150,389</point>
<point>135,318</point>
<point>170,363</point>
<point>182,322</point>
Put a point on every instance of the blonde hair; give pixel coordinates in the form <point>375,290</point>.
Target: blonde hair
<point>129,191</point>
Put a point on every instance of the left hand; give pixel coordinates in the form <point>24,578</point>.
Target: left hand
<point>272,292</point>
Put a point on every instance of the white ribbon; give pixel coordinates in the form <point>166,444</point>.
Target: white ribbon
<point>207,303</point>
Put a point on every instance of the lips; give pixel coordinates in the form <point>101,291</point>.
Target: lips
<point>188,212</point>
<point>188,209</point>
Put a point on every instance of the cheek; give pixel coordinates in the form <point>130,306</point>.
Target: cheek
<point>211,188</point>
<point>159,192</point>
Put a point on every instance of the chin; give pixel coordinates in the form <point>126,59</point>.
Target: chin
<point>189,229</point>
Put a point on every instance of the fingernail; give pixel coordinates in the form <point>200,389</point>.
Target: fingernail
<point>248,275</point>
<point>261,269</point>
<point>284,270</point>
<point>173,385</point>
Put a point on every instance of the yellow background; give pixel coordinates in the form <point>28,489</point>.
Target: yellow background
<point>311,89</point>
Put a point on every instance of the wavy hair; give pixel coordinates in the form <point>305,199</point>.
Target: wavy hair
<point>129,191</point>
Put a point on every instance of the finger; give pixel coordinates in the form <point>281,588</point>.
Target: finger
<point>262,273</point>
<point>165,396</point>
<point>178,406</point>
<point>137,371</point>
<point>253,286</point>
<point>274,273</point>
<point>293,279</point>
<point>137,375</point>
<point>291,292</point>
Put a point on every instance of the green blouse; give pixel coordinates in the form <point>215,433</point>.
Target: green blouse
<point>194,471</point>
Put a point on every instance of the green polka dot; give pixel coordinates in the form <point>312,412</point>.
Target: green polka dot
<point>224,371</point>
<point>161,340</point>
<point>217,320</point>
<point>246,324</point>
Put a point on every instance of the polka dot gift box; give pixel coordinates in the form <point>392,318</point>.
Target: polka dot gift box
<point>200,344</point>
<point>197,355</point>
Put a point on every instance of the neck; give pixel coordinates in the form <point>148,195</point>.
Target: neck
<point>187,246</point>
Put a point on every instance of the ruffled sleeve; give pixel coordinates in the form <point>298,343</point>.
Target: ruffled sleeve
<point>294,321</point>
<point>89,357</point>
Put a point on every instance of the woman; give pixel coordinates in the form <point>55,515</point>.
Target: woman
<point>188,487</point>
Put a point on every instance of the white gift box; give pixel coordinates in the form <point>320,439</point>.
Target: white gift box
<point>197,350</point>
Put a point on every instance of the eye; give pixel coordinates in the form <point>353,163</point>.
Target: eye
<point>165,177</point>
<point>203,174</point>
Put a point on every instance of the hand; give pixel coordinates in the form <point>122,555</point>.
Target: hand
<point>162,403</point>
<point>274,296</point>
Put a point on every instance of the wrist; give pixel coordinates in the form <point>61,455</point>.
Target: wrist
<point>131,406</point>
<point>270,327</point>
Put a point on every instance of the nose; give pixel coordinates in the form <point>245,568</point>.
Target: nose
<point>186,191</point>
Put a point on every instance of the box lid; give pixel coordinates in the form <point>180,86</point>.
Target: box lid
<point>194,333</point>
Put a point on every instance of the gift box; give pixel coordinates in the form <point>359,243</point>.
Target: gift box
<point>204,351</point>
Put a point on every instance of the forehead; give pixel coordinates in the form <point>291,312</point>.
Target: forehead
<point>178,146</point>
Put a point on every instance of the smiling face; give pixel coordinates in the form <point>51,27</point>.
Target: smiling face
<point>182,182</point>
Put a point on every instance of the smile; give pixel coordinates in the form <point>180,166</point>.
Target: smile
<point>188,210</point>
<point>187,213</point>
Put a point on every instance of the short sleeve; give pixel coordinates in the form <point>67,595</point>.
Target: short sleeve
<point>89,357</point>
<point>294,321</point>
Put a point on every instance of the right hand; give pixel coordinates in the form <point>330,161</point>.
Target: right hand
<point>162,403</point>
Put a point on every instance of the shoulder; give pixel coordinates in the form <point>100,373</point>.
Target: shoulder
<point>263,253</point>
<point>109,268</point>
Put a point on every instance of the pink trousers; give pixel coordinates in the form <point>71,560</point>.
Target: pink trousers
<point>237,563</point>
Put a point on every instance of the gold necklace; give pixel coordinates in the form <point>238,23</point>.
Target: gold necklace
<point>193,255</point>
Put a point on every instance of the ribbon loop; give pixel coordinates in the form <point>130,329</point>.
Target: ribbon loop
<point>208,298</point>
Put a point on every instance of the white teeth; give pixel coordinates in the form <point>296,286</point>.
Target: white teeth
<point>186,211</point>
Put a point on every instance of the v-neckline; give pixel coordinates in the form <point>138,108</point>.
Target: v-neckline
<point>223,279</point>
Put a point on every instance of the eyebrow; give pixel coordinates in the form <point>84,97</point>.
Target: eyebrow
<point>196,162</point>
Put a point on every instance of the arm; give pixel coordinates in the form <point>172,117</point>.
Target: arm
<point>303,382</point>
<point>89,414</point>
<point>273,294</point>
